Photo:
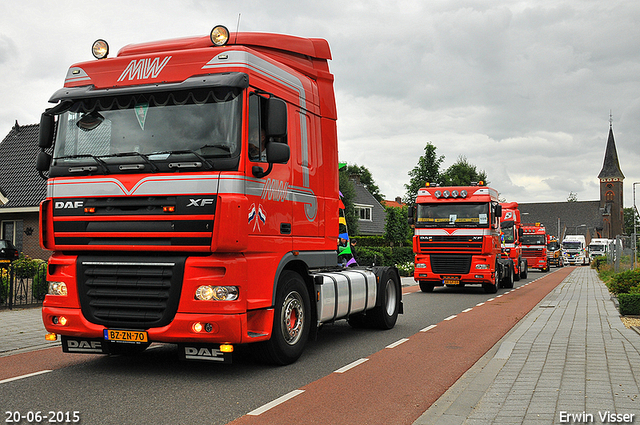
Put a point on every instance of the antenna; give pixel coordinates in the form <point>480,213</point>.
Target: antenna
<point>237,28</point>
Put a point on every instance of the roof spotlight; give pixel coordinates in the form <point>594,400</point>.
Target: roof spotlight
<point>219,35</point>
<point>100,49</point>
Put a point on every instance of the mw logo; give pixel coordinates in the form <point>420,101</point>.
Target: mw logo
<point>143,68</point>
<point>200,202</point>
<point>64,205</point>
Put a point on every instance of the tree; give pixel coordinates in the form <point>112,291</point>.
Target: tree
<point>366,178</point>
<point>462,174</point>
<point>396,228</point>
<point>427,170</point>
<point>348,195</point>
<point>628,220</point>
<point>573,197</point>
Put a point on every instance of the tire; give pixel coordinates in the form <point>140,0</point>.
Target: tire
<point>492,289</point>
<point>426,286</point>
<point>508,282</point>
<point>291,322</point>
<point>385,314</point>
<point>525,270</point>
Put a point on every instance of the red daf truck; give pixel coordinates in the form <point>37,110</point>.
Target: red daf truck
<point>457,238</point>
<point>534,246</point>
<point>192,198</point>
<point>511,229</point>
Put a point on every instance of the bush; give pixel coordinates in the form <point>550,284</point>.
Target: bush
<point>629,304</point>
<point>598,262</point>
<point>384,256</point>
<point>406,269</point>
<point>621,283</point>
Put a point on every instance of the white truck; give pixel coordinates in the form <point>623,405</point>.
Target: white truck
<point>574,250</point>
<point>600,247</point>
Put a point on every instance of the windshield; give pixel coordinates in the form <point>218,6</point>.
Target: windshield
<point>189,125</point>
<point>533,240</point>
<point>507,229</point>
<point>572,245</point>
<point>596,247</point>
<point>553,246</point>
<point>453,215</point>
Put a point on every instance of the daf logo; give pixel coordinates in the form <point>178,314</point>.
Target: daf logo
<point>200,202</point>
<point>69,205</point>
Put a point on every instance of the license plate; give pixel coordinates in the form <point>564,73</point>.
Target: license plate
<point>125,336</point>
<point>451,282</point>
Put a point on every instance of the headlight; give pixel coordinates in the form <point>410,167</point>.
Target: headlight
<point>58,288</point>
<point>482,267</point>
<point>217,293</point>
<point>421,266</point>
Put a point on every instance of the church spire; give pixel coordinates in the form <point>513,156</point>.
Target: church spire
<point>611,166</point>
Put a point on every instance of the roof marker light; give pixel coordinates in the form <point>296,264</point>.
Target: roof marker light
<point>100,49</point>
<point>219,35</point>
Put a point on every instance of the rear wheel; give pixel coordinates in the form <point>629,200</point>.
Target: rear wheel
<point>291,321</point>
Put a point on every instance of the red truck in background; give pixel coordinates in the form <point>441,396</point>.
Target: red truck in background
<point>534,246</point>
<point>457,238</point>
<point>511,229</point>
<point>192,198</point>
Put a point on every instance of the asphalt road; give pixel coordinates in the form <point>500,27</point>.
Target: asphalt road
<point>346,376</point>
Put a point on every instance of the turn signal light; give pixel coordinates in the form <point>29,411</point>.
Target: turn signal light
<point>51,337</point>
<point>226,348</point>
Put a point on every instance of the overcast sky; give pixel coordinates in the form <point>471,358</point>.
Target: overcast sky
<point>523,89</point>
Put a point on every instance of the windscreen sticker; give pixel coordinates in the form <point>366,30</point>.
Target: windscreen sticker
<point>141,113</point>
<point>452,218</point>
<point>482,218</point>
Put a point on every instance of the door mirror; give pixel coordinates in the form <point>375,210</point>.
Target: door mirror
<point>276,118</point>
<point>43,162</point>
<point>45,138</point>
<point>278,153</point>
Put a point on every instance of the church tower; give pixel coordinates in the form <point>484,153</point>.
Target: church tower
<point>611,178</point>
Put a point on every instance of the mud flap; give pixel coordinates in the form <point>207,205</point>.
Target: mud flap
<point>203,352</point>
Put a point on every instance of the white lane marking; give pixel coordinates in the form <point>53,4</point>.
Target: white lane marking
<point>479,304</point>
<point>467,310</point>
<point>451,317</point>
<point>395,344</point>
<point>274,403</point>
<point>428,328</point>
<point>350,366</point>
<point>25,376</point>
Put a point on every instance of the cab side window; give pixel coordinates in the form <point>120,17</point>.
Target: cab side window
<point>257,136</point>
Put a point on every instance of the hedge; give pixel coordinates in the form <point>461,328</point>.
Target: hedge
<point>621,283</point>
<point>629,304</point>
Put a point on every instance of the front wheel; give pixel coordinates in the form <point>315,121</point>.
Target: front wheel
<point>291,321</point>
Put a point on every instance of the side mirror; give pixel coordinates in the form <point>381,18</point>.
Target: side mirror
<point>43,162</point>
<point>45,138</point>
<point>411,215</point>
<point>498,211</point>
<point>276,118</point>
<point>278,153</point>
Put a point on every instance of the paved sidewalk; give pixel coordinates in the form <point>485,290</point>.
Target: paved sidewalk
<point>22,330</point>
<point>570,360</point>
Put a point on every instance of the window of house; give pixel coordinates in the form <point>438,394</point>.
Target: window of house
<point>364,212</point>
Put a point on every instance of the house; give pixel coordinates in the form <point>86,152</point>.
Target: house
<point>371,215</point>
<point>23,189</point>
<point>397,203</point>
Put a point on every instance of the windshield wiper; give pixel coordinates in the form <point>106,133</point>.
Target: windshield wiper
<point>98,161</point>
<point>144,157</point>
<point>188,151</point>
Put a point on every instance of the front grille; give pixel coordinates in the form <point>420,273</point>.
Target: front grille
<point>532,253</point>
<point>450,264</point>
<point>131,292</point>
<point>448,244</point>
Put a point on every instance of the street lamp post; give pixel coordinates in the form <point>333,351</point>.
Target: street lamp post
<point>635,232</point>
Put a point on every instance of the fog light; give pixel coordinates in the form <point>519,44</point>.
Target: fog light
<point>197,327</point>
<point>226,348</point>
<point>58,288</point>
<point>62,321</point>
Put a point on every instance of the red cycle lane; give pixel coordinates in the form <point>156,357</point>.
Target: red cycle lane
<point>396,385</point>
